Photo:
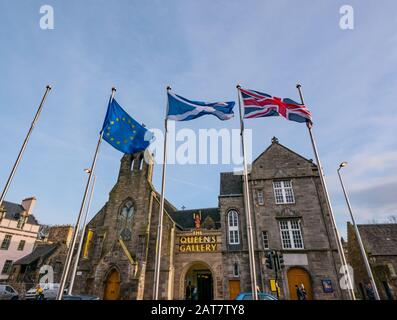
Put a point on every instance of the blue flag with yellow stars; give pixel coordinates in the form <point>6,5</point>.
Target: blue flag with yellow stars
<point>123,132</point>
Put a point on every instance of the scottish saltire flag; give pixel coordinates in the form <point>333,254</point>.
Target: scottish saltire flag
<point>181,109</point>
<point>123,132</point>
<point>258,104</point>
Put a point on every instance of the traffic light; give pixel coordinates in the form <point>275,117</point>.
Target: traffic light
<point>269,259</point>
<point>280,260</point>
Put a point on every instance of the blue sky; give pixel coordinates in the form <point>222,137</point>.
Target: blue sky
<point>202,49</point>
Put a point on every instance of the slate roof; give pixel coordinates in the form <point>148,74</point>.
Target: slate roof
<point>231,184</point>
<point>14,210</point>
<point>40,251</point>
<point>379,239</point>
<point>184,218</point>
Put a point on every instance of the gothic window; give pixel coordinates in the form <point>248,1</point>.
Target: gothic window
<point>128,210</point>
<point>236,270</point>
<point>232,218</point>
<point>283,192</point>
<point>291,234</point>
<point>126,215</point>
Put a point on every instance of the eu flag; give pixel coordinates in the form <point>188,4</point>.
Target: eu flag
<point>123,132</point>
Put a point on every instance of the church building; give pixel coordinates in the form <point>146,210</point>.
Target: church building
<point>205,251</point>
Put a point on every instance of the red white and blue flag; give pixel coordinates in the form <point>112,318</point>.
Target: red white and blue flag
<point>258,104</point>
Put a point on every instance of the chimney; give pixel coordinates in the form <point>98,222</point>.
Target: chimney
<point>28,205</point>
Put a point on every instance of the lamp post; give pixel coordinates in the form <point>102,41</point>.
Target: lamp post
<point>360,243</point>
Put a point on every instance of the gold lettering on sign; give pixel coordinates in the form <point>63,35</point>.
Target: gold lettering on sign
<point>197,243</point>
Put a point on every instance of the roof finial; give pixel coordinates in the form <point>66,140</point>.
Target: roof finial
<point>274,140</point>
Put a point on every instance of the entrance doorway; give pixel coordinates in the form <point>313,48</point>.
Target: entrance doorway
<point>112,286</point>
<point>199,283</point>
<point>234,288</point>
<point>296,277</point>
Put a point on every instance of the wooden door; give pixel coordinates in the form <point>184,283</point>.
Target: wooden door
<point>298,276</point>
<point>234,288</point>
<point>112,287</point>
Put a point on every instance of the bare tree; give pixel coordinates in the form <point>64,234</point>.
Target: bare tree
<point>392,219</point>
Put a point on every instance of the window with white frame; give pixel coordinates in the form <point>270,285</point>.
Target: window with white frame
<point>283,192</point>
<point>291,235</point>
<point>232,218</point>
<point>261,200</point>
<point>265,240</point>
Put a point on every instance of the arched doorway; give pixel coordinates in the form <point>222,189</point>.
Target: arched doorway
<point>297,276</point>
<point>112,286</point>
<point>199,283</point>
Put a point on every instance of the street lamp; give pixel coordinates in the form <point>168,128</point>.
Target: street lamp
<point>360,243</point>
<point>76,263</point>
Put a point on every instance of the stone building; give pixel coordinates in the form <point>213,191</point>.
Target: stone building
<point>206,248</point>
<point>380,243</point>
<point>18,233</point>
<point>48,253</point>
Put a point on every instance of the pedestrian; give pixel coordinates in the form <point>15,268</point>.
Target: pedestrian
<point>370,292</point>
<point>39,292</point>
<point>303,291</point>
<point>298,292</point>
<point>188,292</point>
<point>194,293</point>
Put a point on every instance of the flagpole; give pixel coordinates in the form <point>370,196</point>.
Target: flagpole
<point>157,265</point>
<point>25,142</point>
<point>328,201</point>
<point>251,252</point>
<point>76,263</point>
<point>358,236</point>
<point>76,228</point>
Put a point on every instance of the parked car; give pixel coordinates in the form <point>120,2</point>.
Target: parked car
<point>79,297</point>
<point>50,291</point>
<point>261,296</point>
<point>8,293</point>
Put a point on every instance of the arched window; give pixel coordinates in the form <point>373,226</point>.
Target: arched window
<point>236,270</point>
<point>128,210</point>
<point>232,218</point>
<point>124,224</point>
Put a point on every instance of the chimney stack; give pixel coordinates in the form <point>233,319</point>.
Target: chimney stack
<point>28,205</point>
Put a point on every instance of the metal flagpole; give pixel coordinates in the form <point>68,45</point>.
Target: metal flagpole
<point>328,201</point>
<point>76,228</point>
<point>76,263</point>
<point>251,252</point>
<point>25,142</point>
<point>359,240</point>
<point>157,264</point>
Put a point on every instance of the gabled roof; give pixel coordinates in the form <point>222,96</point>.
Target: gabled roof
<point>14,211</point>
<point>184,218</point>
<point>276,143</point>
<point>379,239</point>
<point>40,251</point>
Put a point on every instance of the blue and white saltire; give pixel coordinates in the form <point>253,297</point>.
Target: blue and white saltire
<point>181,109</point>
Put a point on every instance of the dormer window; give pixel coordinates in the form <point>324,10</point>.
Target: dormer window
<point>21,222</point>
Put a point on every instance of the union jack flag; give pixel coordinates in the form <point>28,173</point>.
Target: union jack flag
<point>258,104</point>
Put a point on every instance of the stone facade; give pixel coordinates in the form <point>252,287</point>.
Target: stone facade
<point>50,252</point>
<point>203,255</point>
<point>380,243</point>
